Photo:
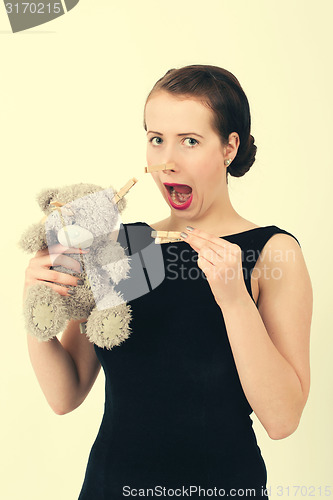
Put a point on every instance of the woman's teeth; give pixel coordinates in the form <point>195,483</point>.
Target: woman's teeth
<point>179,198</point>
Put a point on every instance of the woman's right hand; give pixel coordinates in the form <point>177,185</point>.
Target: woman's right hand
<point>38,270</point>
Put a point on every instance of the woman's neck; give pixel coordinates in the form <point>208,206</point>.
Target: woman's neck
<point>221,219</point>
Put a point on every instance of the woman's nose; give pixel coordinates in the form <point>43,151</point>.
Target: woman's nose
<point>170,155</point>
<point>169,171</point>
<point>171,158</point>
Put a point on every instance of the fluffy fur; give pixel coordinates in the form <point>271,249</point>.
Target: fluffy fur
<point>86,209</point>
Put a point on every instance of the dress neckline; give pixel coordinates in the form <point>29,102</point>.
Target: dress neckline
<point>225,236</point>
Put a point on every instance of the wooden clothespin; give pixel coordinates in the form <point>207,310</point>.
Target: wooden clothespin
<point>166,236</point>
<point>156,168</point>
<point>121,193</point>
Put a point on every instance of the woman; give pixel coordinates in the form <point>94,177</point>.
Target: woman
<point>225,333</point>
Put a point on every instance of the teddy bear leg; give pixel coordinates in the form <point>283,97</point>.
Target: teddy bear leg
<point>45,312</point>
<point>109,327</point>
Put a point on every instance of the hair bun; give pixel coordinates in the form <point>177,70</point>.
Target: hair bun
<point>244,159</point>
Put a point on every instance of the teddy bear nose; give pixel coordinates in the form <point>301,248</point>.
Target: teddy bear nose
<point>75,236</point>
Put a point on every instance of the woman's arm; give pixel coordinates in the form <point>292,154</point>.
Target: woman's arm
<point>271,344</point>
<point>66,370</point>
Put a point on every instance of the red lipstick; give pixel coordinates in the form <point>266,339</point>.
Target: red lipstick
<point>175,200</point>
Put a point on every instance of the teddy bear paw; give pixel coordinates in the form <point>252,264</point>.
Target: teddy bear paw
<point>109,327</point>
<point>45,314</point>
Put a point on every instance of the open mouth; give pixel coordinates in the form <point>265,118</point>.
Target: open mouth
<point>179,193</point>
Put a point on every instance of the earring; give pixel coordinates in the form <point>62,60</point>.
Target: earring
<point>227,162</point>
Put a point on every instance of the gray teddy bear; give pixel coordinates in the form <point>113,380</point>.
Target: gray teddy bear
<point>81,216</point>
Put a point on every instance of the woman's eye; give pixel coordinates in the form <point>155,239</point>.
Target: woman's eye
<point>156,141</point>
<point>190,141</point>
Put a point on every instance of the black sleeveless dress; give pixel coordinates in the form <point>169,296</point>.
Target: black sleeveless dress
<point>176,416</point>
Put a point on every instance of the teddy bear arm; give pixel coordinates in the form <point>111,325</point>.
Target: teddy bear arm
<point>34,238</point>
<point>112,258</point>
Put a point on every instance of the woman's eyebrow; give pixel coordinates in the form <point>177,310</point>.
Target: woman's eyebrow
<point>191,133</point>
<point>179,135</point>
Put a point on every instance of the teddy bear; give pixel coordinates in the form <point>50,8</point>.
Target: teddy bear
<point>82,216</point>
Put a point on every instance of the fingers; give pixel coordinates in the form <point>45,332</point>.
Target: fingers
<point>48,260</point>
<point>65,261</point>
<point>51,275</point>
<point>212,250</point>
<point>206,248</point>
<point>62,290</point>
<point>60,249</point>
<point>38,270</point>
<point>199,239</point>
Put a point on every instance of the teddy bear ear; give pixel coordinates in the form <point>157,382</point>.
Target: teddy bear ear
<point>45,197</point>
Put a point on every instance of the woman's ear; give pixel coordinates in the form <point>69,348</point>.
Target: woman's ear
<point>232,147</point>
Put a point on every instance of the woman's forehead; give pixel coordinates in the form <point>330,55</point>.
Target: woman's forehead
<point>165,109</point>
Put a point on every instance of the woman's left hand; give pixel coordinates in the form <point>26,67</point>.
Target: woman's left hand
<point>221,261</point>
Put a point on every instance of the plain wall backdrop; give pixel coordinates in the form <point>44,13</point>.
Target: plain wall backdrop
<point>71,110</point>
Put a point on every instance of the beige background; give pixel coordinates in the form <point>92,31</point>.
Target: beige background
<point>72,95</point>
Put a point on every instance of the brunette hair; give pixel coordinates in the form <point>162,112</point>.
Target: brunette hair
<point>222,93</point>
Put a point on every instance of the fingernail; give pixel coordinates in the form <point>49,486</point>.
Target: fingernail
<point>189,228</point>
<point>79,282</point>
<point>70,291</point>
<point>184,235</point>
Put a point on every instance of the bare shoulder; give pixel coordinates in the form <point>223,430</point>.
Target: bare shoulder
<point>281,269</point>
<point>281,254</point>
<point>281,249</point>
